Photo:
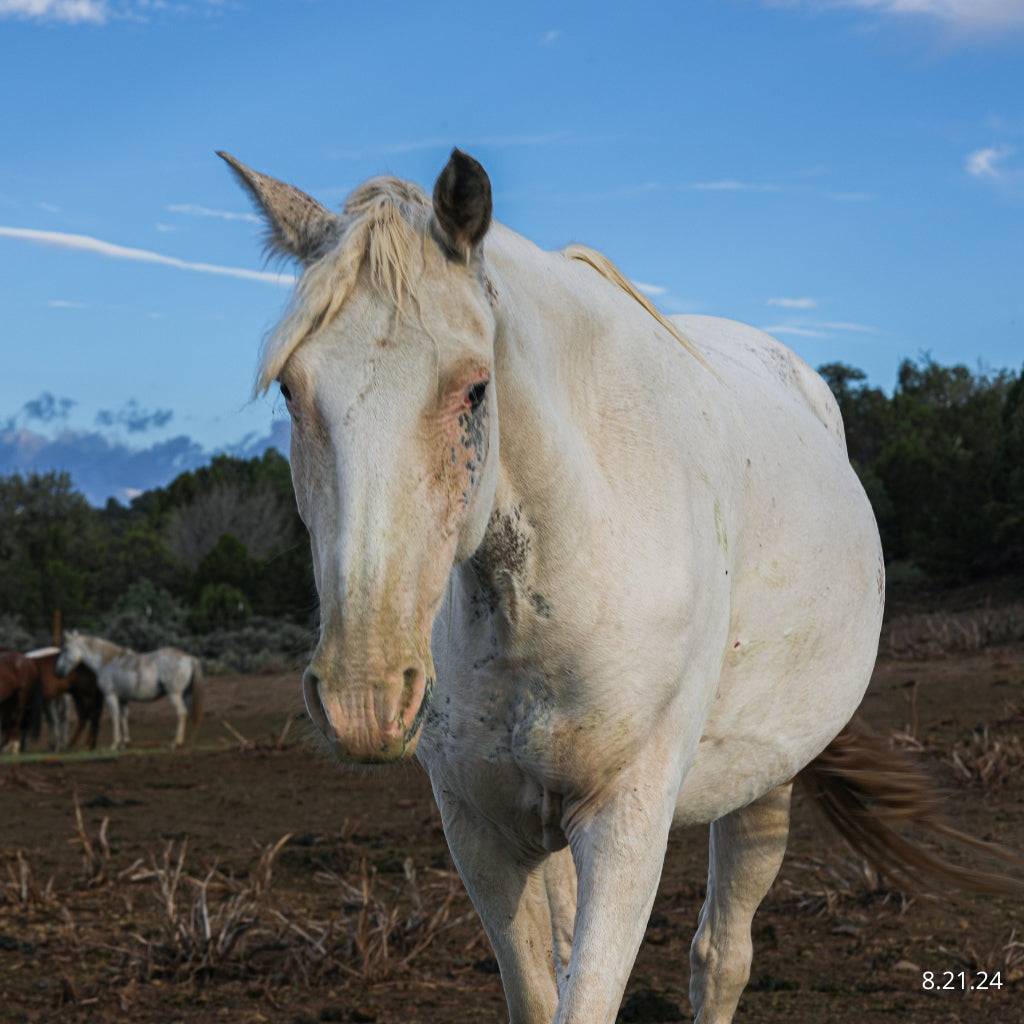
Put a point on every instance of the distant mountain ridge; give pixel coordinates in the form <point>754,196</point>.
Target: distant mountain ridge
<point>102,468</point>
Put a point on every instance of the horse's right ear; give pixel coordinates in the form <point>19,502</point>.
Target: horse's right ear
<point>462,204</point>
<point>297,224</point>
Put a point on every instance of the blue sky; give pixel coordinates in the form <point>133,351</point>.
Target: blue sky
<point>848,174</point>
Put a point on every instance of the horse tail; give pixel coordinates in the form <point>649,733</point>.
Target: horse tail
<point>195,695</point>
<point>866,791</point>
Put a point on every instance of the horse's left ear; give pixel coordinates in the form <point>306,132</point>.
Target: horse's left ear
<point>462,203</point>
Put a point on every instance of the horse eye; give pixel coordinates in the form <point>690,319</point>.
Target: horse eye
<point>475,395</point>
<point>286,392</point>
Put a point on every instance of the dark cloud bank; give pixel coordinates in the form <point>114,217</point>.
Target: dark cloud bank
<point>102,467</point>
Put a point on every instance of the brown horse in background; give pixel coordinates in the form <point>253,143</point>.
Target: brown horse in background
<point>21,699</point>
<point>80,684</point>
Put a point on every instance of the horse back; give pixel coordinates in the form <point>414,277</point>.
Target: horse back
<point>17,673</point>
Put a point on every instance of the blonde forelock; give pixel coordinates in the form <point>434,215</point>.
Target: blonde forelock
<point>384,222</point>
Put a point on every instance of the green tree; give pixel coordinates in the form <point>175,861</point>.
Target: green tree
<point>940,465</point>
<point>50,555</point>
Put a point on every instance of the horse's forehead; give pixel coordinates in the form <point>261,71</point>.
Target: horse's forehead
<point>438,327</point>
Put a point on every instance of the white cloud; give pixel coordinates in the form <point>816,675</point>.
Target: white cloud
<point>730,185</point>
<point>846,325</point>
<point>819,328</point>
<point>83,243</point>
<point>550,38</point>
<point>191,210</point>
<point>99,12</point>
<point>968,14</point>
<point>794,303</point>
<point>652,290</point>
<point>982,162</point>
<point>984,16</point>
<point>796,329</point>
<point>71,12</point>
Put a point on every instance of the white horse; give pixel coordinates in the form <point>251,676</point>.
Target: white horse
<point>124,675</point>
<point>604,573</point>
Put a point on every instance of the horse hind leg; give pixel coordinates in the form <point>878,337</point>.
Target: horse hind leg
<point>746,851</point>
<point>117,739</point>
<point>125,733</point>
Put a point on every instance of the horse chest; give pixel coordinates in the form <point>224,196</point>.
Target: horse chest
<point>516,747</point>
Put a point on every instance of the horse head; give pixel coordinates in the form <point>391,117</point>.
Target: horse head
<point>72,653</point>
<point>385,361</point>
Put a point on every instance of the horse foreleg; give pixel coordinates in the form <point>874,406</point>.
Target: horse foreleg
<point>746,851</point>
<point>181,710</point>
<point>509,892</point>
<point>64,720</point>
<point>79,729</point>
<point>57,719</point>
<point>560,883</point>
<point>618,842</point>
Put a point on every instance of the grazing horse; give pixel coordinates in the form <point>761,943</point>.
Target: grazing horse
<point>80,685</point>
<point>20,699</point>
<point>123,675</point>
<point>604,573</point>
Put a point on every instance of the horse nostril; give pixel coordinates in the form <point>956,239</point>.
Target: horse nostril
<point>314,704</point>
<point>413,696</point>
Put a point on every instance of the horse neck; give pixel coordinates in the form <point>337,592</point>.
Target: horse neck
<point>569,354</point>
<point>98,652</point>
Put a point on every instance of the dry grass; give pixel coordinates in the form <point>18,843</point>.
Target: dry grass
<point>991,759</point>
<point>834,888</point>
<point>1003,958</point>
<point>937,634</point>
<point>20,888</point>
<point>166,920</point>
<point>988,760</point>
<point>95,852</point>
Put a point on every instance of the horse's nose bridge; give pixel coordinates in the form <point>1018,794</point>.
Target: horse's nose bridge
<point>335,670</point>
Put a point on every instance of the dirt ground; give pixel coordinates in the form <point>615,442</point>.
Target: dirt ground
<point>158,908</point>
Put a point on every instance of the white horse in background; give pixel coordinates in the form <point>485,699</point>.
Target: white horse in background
<point>604,573</point>
<point>123,675</point>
